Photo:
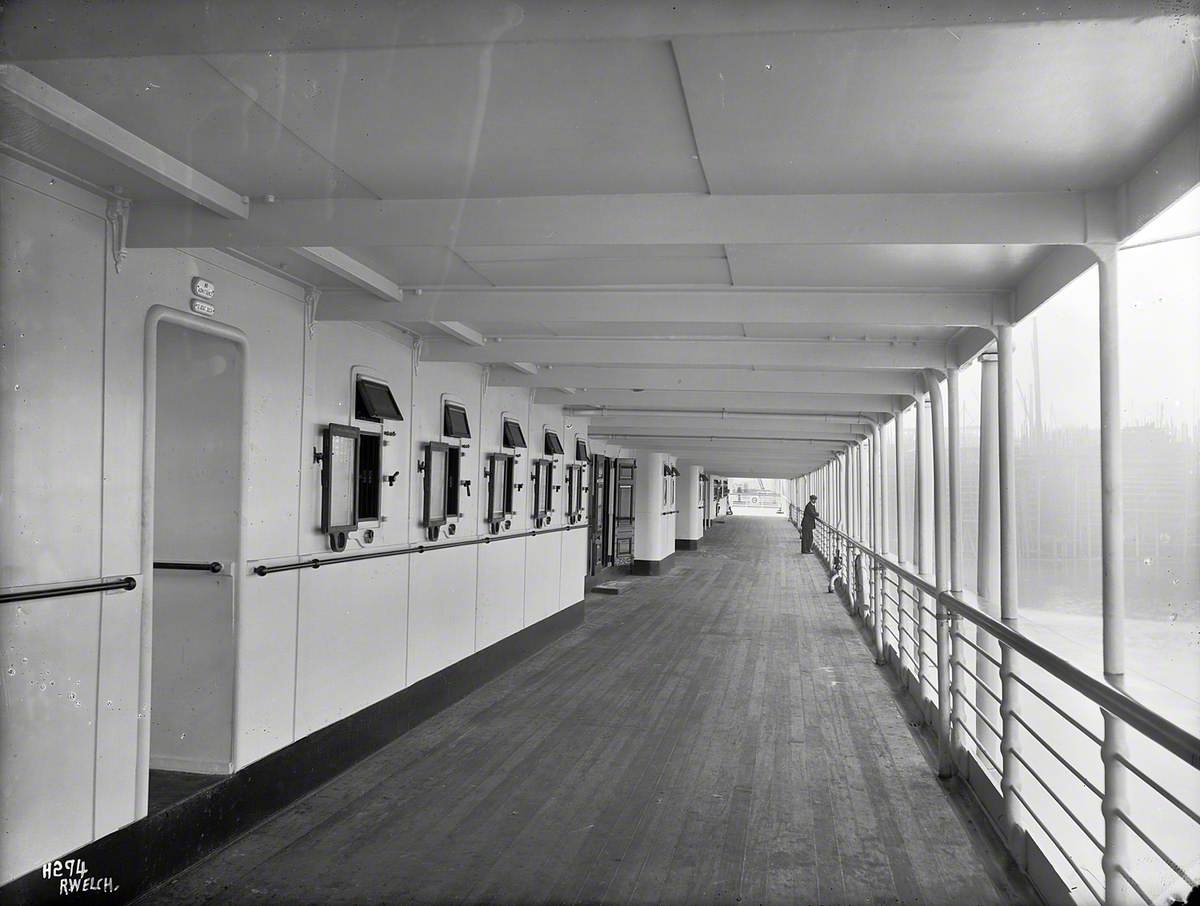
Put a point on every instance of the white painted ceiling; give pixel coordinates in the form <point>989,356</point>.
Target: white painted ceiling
<point>377,100</point>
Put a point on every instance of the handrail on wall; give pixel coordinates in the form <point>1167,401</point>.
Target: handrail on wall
<point>126,584</point>
<point>213,567</point>
<point>1146,721</point>
<point>317,562</point>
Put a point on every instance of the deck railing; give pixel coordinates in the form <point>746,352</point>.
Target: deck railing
<point>971,690</point>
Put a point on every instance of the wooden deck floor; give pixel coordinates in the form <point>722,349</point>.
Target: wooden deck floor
<point>720,734</point>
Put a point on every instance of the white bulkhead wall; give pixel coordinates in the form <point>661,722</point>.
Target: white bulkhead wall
<point>312,645</point>
<point>654,530</point>
<point>689,523</point>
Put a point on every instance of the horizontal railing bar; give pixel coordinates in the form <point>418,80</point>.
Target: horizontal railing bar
<point>996,661</point>
<point>978,682</point>
<point>317,562</point>
<point>126,584</point>
<point>1154,785</point>
<point>1066,764</point>
<point>1059,711</point>
<point>979,746</point>
<point>1053,839</point>
<point>983,717</point>
<point>1129,822</point>
<point>1136,886</point>
<point>1149,723</point>
<point>1053,795</point>
<point>213,567</point>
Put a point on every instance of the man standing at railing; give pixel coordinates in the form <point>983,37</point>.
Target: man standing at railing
<point>808,522</point>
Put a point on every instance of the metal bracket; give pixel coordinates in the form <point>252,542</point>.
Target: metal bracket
<point>116,212</point>
<point>312,298</point>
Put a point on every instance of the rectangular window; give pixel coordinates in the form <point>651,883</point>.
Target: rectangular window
<point>436,459</point>
<point>548,486</point>
<point>339,479</point>
<point>373,401</point>
<point>581,450</point>
<point>554,446</point>
<point>500,488</point>
<point>369,456</point>
<point>513,435</point>
<point>454,421</point>
<point>543,488</point>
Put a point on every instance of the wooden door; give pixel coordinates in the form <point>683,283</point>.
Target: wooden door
<point>597,514</point>
<point>623,473</point>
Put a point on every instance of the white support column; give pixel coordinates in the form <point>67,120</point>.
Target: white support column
<point>987,581</point>
<point>877,538</point>
<point>1118,837</point>
<point>848,499</point>
<point>958,707</point>
<point>924,532</point>
<point>941,485</point>
<point>885,529</point>
<point>1010,745</point>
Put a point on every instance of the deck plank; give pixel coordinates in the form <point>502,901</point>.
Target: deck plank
<point>717,735</point>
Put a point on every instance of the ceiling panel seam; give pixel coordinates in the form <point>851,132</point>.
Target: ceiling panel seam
<point>687,112</point>
<point>288,129</point>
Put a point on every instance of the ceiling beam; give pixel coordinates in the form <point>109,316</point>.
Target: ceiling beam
<point>462,333</point>
<point>803,403</point>
<point>50,106</point>
<point>1058,268</point>
<point>727,379</point>
<point>860,307</point>
<point>527,369</point>
<point>697,352</point>
<point>1162,181</point>
<point>137,27</point>
<point>338,262</point>
<point>1056,217</point>
<point>733,428</point>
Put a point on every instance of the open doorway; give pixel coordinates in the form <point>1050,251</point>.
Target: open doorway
<point>199,378</point>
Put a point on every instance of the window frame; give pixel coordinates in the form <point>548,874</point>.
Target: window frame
<point>363,404</point>
<point>448,407</point>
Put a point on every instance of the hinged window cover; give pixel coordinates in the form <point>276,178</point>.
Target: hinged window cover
<point>513,435</point>
<point>454,421</point>
<point>339,479</point>
<point>374,400</point>
<point>581,450</point>
<point>554,446</point>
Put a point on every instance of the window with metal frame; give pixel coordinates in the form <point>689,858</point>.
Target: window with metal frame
<point>339,479</point>
<point>500,488</point>
<point>513,435</point>
<point>553,446</point>
<point>373,401</point>
<point>454,421</point>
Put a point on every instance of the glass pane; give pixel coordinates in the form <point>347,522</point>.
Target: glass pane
<point>968,470</point>
<point>1160,398</point>
<point>624,502</point>
<point>437,485</point>
<point>908,443</point>
<point>499,483</point>
<point>342,479</point>
<point>1056,376</point>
